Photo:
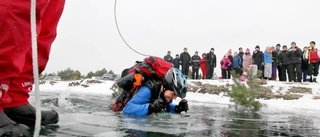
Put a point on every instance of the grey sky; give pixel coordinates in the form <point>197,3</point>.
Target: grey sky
<point>88,40</point>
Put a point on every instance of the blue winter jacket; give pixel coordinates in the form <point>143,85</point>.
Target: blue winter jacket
<point>237,62</point>
<point>267,58</point>
<point>139,104</point>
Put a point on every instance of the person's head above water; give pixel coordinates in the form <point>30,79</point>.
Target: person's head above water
<point>175,82</point>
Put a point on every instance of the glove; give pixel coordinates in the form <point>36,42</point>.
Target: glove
<point>183,106</point>
<point>156,106</point>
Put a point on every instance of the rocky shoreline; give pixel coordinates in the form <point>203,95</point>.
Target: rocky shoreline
<point>269,89</point>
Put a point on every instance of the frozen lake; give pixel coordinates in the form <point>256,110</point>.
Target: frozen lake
<point>88,115</point>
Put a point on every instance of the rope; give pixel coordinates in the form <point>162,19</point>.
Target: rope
<point>35,66</point>
<point>116,21</point>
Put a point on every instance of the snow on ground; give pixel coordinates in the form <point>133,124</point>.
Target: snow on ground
<point>304,106</point>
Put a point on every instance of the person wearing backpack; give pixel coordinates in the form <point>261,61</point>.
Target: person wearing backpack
<point>154,97</point>
<point>195,63</point>
<point>313,57</point>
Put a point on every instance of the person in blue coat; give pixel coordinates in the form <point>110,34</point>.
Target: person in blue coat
<point>152,97</point>
<point>268,63</point>
<point>237,63</point>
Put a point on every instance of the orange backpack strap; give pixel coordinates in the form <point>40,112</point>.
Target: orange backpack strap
<point>138,81</point>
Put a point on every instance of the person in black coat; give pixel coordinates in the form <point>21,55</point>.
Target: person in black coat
<point>211,60</point>
<point>176,62</point>
<point>185,61</point>
<point>195,63</point>
<point>241,54</point>
<point>274,63</point>
<point>304,64</point>
<point>168,57</point>
<point>278,51</point>
<point>295,54</point>
<point>258,58</point>
<point>283,59</point>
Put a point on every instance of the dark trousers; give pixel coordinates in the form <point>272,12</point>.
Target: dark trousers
<point>279,71</point>
<point>229,72</point>
<point>209,71</point>
<point>224,73</point>
<point>237,71</point>
<point>304,74</point>
<point>195,71</point>
<point>284,71</point>
<point>185,69</point>
<point>261,68</point>
<point>295,72</point>
<point>313,68</point>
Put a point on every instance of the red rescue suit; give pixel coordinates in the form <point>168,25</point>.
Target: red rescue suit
<point>16,73</point>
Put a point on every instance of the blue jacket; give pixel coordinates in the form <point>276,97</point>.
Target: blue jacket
<point>237,62</point>
<point>176,63</point>
<point>267,58</point>
<point>139,104</point>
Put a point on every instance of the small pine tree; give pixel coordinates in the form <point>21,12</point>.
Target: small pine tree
<point>245,95</point>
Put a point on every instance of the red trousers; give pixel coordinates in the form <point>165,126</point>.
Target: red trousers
<point>16,73</point>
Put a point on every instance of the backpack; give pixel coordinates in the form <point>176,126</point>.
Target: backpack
<point>149,72</point>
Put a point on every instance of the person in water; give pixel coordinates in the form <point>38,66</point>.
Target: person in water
<point>154,97</point>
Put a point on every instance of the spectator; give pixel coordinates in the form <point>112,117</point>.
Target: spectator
<point>203,66</point>
<point>274,54</point>
<point>258,59</point>
<point>195,63</point>
<point>278,51</point>
<point>283,59</point>
<point>240,54</point>
<point>225,64</point>
<point>313,60</point>
<point>295,55</point>
<point>168,57</point>
<point>185,61</point>
<point>211,60</point>
<point>176,62</point>
<point>267,63</point>
<point>230,67</point>
<point>304,64</point>
<point>247,59</point>
<point>236,63</point>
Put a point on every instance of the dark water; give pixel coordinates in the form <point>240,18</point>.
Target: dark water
<point>88,115</point>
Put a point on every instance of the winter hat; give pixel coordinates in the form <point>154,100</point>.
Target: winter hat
<point>212,49</point>
<point>247,50</point>
<point>235,53</point>
<point>257,47</point>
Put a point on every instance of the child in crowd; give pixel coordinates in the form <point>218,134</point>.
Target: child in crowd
<point>225,64</point>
